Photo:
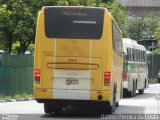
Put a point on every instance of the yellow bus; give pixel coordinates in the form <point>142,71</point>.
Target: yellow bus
<point>78,59</point>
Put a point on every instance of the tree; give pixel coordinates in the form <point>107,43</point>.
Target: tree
<point>6,29</point>
<point>18,18</point>
<point>119,13</point>
<point>18,21</point>
<point>24,22</point>
<point>135,28</point>
<point>157,31</point>
<point>142,27</point>
<point>151,22</point>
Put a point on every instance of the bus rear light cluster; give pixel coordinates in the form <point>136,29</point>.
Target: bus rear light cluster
<point>125,75</point>
<point>107,77</point>
<point>37,74</point>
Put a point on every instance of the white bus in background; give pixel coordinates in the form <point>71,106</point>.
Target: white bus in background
<point>135,68</point>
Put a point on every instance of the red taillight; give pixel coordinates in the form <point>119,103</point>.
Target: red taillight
<point>45,8</point>
<point>107,76</point>
<point>37,74</point>
<point>125,75</point>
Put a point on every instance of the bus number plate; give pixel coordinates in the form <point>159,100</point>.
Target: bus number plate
<point>71,81</point>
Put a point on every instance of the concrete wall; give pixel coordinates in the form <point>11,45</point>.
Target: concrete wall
<point>141,7</point>
<point>140,3</point>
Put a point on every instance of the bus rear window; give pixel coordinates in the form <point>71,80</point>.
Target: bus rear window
<point>74,22</point>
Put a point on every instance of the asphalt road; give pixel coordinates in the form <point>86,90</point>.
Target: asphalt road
<point>141,104</point>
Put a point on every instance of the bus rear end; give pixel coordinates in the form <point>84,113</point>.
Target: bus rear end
<point>69,57</point>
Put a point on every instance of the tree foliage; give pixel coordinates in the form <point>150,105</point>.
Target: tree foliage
<point>138,27</point>
<point>6,29</point>
<point>18,19</point>
<point>135,28</point>
<point>157,31</point>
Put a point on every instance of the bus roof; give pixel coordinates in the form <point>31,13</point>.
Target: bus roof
<point>74,7</point>
<point>129,43</point>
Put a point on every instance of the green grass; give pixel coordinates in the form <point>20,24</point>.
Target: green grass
<point>155,52</point>
<point>153,80</point>
<point>24,95</point>
<point>16,96</point>
<point>5,98</point>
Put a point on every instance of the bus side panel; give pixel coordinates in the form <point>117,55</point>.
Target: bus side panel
<point>116,61</point>
<point>41,90</point>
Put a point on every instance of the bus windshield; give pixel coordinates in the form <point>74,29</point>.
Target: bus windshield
<point>76,22</point>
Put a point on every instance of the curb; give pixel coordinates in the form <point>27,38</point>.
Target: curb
<point>157,97</point>
<point>17,100</point>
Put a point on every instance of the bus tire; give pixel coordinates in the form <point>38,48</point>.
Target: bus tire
<point>110,110</point>
<point>146,85</point>
<point>141,91</point>
<point>114,100</point>
<point>134,89</point>
<point>125,93</point>
<point>117,103</point>
<point>121,94</point>
<point>106,109</point>
<point>48,108</point>
<point>132,93</point>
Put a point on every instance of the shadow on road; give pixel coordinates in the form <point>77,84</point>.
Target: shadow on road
<point>75,113</point>
<point>144,96</point>
<point>128,109</point>
<point>71,116</point>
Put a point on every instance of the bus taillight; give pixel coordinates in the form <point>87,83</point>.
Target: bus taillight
<point>107,76</point>
<point>125,75</point>
<point>37,74</point>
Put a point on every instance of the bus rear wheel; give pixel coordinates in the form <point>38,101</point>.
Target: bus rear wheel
<point>132,93</point>
<point>134,89</point>
<point>107,108</point>
<point>141,91</point>
<point>48,108</point>
<point>114,103</point>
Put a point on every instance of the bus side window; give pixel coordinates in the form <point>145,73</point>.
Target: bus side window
<point>129,53</point>
<point>136,55</point>
<point>140,55</point>
<point>133,54</point>
<point>143,56</point>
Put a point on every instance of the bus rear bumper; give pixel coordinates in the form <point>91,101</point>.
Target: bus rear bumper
<point>75,103</point>
<point>49,94</point>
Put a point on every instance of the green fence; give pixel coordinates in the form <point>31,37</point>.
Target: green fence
<point>16,74</point>
<point>153,66</point>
